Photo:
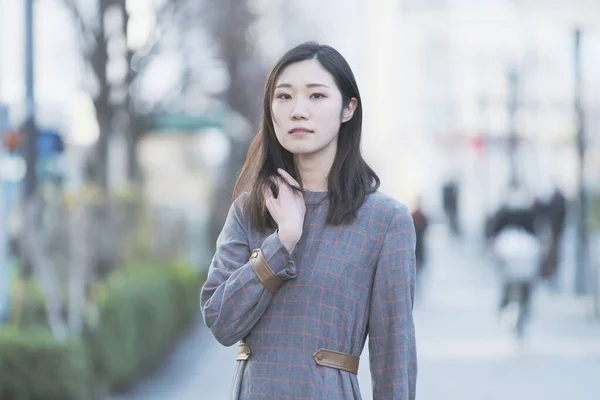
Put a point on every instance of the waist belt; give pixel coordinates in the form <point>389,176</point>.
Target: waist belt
<point>323,357</point>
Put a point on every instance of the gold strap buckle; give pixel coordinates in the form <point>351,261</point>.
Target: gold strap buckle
<point>263,271</point>
<point>244,352</point>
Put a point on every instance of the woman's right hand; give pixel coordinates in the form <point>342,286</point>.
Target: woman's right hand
<point>287,210</point>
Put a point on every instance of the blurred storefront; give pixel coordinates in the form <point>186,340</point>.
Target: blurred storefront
<point>183,161</point>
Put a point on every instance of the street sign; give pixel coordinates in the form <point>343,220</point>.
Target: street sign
<point>188,122</point>
<point>49,142</point>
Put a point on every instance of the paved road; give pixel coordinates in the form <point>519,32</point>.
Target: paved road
<point>463,352</point>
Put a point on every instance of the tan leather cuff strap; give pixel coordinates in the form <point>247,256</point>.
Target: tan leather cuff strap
<point>323,357</point>
<point>243,352</point>
<point>336,359</point>
<point>263,271</point>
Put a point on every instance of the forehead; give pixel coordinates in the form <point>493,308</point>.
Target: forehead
<point>306,72</point>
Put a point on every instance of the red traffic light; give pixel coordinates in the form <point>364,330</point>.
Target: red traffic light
<point>12,139</point>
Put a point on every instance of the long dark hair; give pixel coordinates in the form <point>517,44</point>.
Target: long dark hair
<point>350,178</point>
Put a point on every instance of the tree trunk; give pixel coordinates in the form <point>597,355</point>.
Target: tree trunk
<point>44,271</point>
<point>133,134</point>
<point>104,110</point>
<point>101,152</point>
<point>79,255</point>
<point>132,128</point>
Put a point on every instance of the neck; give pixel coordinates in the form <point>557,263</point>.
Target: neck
<point>314,170</point>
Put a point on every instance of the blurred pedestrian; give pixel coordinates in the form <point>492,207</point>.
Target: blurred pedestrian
<point>312,257</point>
<point>518,254</point>
<point>556,211</point>
<point>450,203</point>
<point>421,223</point>
<point>517,233</point>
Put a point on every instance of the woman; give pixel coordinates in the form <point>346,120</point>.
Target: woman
<point>312,257</point>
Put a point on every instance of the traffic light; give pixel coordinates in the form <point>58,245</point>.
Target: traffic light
<point>48,141</point>
<point>12,139</point>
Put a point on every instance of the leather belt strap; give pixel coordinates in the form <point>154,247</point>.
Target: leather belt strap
<point>243,352</point>
<point>263,271</point>
<point>336,359</point>
<point>323,357</point>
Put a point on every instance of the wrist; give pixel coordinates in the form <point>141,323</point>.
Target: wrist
<point>289,238</point>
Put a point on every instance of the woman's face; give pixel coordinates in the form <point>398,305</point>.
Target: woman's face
<point>307,109</point>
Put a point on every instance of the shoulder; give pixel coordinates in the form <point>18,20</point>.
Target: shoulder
<point>393,219</point>
<point>239,210</point>
<point>385,206</point>
<point>395,216</point>
<point>239,203</point>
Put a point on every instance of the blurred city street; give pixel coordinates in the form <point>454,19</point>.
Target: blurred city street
<point>127,127</point>
<point>463,352</point>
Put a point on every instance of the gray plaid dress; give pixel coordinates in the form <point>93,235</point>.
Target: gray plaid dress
<point>340,284</point>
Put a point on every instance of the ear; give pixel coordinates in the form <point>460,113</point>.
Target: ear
<point>348,112</point>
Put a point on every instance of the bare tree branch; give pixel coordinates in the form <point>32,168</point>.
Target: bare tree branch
<point>86,31</point>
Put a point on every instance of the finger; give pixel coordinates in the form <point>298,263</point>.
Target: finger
<point>288,178</point>
<point>269,205</point>
<point>267,193</point>
<point>283,186</point>
<point>269,199</point>
<point>276,183</point>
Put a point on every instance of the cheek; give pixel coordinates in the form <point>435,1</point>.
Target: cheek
<point>276,119</point>
<point>278,113</point>
<point>331,116</point>
<point>275,113</point>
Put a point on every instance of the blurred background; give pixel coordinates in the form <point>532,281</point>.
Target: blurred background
<point>124,124</point>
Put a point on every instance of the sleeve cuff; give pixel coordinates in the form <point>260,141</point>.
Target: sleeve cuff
<point>278,257</point>
<point>263,271</point>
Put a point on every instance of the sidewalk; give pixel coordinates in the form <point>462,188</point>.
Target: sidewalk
<point>463,353</point>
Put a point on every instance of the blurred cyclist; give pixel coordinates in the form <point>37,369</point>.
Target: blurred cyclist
<point>518,236</point>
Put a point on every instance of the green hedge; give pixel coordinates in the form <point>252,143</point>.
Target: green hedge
<point>31,312</point>
<point>142,311</point>
<point>33,366</point>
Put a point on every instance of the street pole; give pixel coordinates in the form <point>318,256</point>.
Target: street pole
<point>581,247</point>
<point>34,251</point>
<point>513,90</point>
<point>4,268</point>
<point>29,128</point>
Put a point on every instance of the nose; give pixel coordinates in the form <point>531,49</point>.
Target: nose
<point>300,109</point>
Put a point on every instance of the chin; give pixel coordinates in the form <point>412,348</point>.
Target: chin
<point>297,149</point>
<point>308,147</point>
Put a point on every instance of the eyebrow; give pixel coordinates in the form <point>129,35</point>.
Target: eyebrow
<point>308,85</point>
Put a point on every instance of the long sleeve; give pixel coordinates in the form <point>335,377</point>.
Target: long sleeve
<point>233,298</point>
<point>392,347</point>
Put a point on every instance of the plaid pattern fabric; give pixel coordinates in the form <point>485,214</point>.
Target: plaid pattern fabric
<point>340,284</point>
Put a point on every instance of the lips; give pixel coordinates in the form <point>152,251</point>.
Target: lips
<point>300,131</point>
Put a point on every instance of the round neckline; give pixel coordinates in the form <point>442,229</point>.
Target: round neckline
<point>315,197</point>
